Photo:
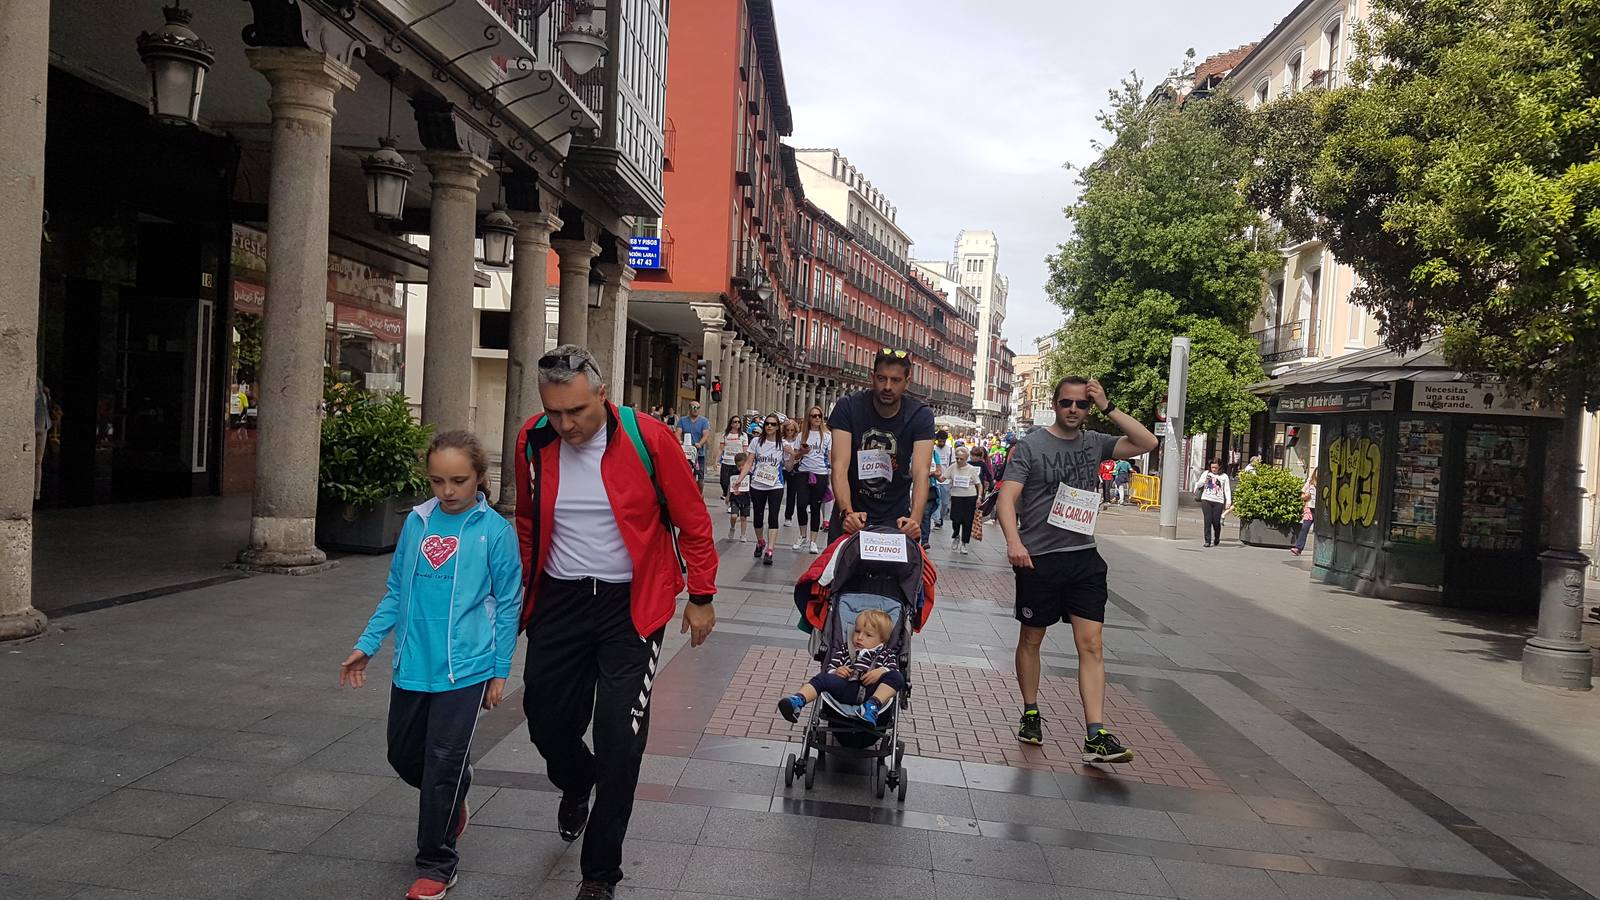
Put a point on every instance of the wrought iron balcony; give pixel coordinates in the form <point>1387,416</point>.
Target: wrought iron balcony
<point>1286,342</point>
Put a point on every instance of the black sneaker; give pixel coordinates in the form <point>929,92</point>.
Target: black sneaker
<point>597,890</point>
<point>1031,729</point>
<point>572,817</point>
<point>1105,748</point>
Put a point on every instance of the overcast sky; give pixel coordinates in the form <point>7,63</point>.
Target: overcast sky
<point>963,111</point>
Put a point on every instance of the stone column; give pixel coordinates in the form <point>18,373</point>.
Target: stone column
<point>711,319</point>
<point>530,269</point>
<point>608,326</point>
<point>24,66</point>
<point>736,380</point>
<point>284,509</point>
<point>575,258</point>
<point>640,357</point>
<point>447,342</point>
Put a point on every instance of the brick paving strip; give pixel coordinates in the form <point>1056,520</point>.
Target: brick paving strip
<point>969,714</point>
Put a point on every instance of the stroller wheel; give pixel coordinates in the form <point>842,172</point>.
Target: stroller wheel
<point>811,773</point>
<point>789,770</point>
<point>900,784</point>
<point>880,775</point>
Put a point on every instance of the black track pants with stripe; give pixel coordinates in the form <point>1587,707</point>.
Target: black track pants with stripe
<point>587,662</point>
<point>430,741</point>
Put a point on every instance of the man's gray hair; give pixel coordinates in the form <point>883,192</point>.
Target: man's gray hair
<point>575,361</point>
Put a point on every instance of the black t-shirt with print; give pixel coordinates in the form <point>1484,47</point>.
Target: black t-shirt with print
<point>884,500</point>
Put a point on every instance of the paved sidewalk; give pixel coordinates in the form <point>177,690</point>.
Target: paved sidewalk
<point>1295,741</point>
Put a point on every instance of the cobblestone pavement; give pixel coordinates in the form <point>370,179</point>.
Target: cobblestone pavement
<point>194,745</point>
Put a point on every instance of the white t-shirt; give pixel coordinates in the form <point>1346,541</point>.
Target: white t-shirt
<point>766,464</point>
<point>585,542</point>
<point>963,479</point>
<point>733,445</point>
<point>820,444</point>
<point>1215,487</point>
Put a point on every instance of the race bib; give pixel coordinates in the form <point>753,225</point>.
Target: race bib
<point>1074,509</point>
<point>876,547</point>
<point>872,465</point>
<point>766,472</point>
<point>961,482</point>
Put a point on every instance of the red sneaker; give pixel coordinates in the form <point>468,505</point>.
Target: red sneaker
<point>461,821</point>
<point>429,889</point>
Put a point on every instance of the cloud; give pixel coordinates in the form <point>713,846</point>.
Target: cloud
<point>963,113</point>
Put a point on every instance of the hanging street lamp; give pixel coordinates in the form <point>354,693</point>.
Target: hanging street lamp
<point>498,230</point>
<point>177,60</point>
<point>583,41</point>
<point>387,173</point>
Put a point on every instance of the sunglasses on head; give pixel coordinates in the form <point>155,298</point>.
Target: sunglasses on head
<point>1068,403</point>
<point>892,353</point>
<point>570,362</point>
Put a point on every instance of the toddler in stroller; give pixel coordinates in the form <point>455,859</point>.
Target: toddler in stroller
<point>865,663</point>
<point>862,600</point>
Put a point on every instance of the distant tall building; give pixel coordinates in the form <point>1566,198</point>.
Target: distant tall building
<point>977,264</point>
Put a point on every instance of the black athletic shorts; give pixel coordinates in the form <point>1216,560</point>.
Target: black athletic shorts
<point>1061,585</point>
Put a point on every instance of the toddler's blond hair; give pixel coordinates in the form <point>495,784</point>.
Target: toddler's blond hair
<point>878,620</point>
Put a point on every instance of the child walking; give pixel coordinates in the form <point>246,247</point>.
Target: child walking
<point>739,499</point>
<point>866,663</point>
<point>454,598</point>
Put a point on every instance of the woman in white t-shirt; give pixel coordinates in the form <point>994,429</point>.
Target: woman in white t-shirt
<point>734,443</point>
<point>966,490</point>
<point>1216,498</point>
<point>764,464</point>
<point>810,478</point>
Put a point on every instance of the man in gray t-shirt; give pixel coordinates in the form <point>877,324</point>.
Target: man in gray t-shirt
<point>1060,575</point>
<point>1040,462</point>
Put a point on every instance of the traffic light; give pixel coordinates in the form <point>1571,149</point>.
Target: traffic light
<point>703,378</point>
<point>716,389</point>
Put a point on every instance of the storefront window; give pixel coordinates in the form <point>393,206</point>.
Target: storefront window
<point>1418,475</point>
<point>1495,487</point>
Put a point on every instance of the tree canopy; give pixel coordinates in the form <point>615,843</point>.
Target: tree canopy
<point>1163,245</point>
<point>1459,175</point>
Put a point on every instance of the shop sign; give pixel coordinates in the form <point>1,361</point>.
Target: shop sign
<point>1337,401</point>
<point>1491,399</point>
<point>249,249</point>
<point>644,252</point>
<point>384,327</point>
<point>249,297</point>
<point>348,278</point>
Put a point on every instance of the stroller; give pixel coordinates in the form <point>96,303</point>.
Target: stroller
<point>840,585</point>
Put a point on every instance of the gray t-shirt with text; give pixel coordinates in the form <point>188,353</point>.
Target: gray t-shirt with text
<point>1040,462</point>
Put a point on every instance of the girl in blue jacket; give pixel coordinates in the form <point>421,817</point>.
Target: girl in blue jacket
<point>453,600</point>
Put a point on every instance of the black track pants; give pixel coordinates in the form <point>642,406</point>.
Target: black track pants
<point>430,739</point>
<point>586,662</point>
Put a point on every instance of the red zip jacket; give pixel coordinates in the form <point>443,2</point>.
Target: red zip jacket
<point>657,580</point>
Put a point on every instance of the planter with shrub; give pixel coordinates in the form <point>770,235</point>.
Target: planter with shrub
<point>371,471</point>
<point>1267,502</point>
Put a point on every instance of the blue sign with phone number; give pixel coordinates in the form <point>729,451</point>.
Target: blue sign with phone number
<point>644,252</point>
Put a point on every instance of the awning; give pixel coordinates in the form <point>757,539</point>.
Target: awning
<point>1378,365</point>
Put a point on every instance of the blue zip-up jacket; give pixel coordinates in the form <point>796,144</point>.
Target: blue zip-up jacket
<point>485,602</point>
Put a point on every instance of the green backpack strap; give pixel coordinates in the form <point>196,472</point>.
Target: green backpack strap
<point>630,424</point>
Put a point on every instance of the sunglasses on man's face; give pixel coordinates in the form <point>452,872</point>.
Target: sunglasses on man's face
<point>1068,403</point>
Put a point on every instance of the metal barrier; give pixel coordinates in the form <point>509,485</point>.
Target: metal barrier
<point>1146,490</point>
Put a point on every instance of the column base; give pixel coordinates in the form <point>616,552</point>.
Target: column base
<point>1563,666</point>
<point>22,626</point>
<point>280,546</point>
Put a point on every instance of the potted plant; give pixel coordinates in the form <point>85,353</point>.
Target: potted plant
<point>1268,504</point>
<point>371,469</point>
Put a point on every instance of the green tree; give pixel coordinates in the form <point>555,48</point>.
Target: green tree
<point>1163,245</point>
<point>1459,176</point>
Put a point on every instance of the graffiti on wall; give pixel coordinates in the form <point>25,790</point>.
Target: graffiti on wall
<point>1350,492</point>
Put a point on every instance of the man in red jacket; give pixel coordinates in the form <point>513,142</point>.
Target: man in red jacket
<point>603,580</point>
